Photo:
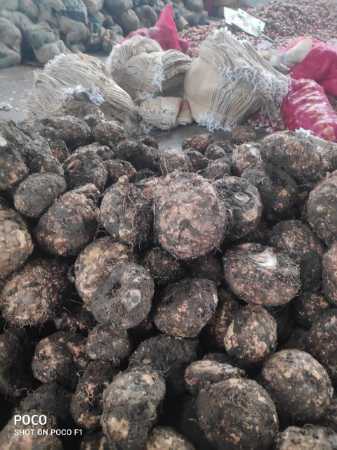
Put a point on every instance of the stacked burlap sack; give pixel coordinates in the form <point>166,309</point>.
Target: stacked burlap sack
<point>38,30</point>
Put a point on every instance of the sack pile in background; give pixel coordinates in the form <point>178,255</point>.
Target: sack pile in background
<point>37,30</point>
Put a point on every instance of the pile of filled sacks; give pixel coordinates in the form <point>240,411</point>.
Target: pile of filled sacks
<point>38,30</point>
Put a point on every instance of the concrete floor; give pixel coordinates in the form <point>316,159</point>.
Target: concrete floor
<point>15,86</point>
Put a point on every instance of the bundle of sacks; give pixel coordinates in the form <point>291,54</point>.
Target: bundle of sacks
<point>38,30</point>
<point>228,82</point>
<point>135,87</point>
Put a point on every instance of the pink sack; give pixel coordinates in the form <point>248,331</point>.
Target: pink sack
<point>306,106</point>
<point>164,32</point>
<point>319,65</point>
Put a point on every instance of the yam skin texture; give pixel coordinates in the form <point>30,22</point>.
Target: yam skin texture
<point>216,329</point>
<point>299,385</point>
<point>87,401</point>
<point>308,307</point>
<point>309,437</point>
<point>12,436</point>
<point>246,156</point>
<point>150,141</point>
<point>296,238</point>
<point>252,336</point>
<point>261,275</point>
<point>188,424</point>
<point>58,149</point>
<point>13,166</point>
<point>214,152</point>
<point>70,223</point>
<point>143,174</point>
<point>75,319</point>
<point>163,267</point>
<point>322,209</point>
<point>166,438</point>
<point>279,192</point>
<point>15,242</point>
<point>37,193</point>
<point>237,414</point>
<point>186,307</point>
<point>243,202</point>
<point>172,160</point>
<point>96,441</point>
<point>32,295</point>
<point>202,374</point>
<point>93,264</point>
<point>242,134</point>
<point>85,167</point>
<point>102,151</point>
<point>51,399</point>
<point>108,132</point>
<point>130,407</point>
<point>54,361</point>
<point>330,418</point>
<point>217,169</point>
<point>198,160</point>
<point>33,149</point>
<point>118,168</point>
<point>126,214</point>
<point>124,299</point>
<point>189,218</point>
<point>12,365</point>
<point>140,155</point>
<point>169,356</point>
<point>299,157</point>
<point>330,274</point>
<point>198,142</point>
<point>321,341</point>
<point>109,344</point>
<point>70,129</point>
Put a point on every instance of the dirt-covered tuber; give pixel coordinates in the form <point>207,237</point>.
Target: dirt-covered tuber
<point>70,223</point>
<point>94,263</point>
<point>130,407</point>
<point>189,217</point>
<point>106,343</point>
<point>299,385</point>
<point>202,374</point>
<point>126,214</point>
<point>32,295</point>
<point>252,336</point>
<point>86,404</point>
<point>261,275</point>
<point>124,299</point>
<point>169,356</point>
<point>37,193</point>
<point>166,438</point>
<point>186,307</point>
<point>16,244</point>
<point>220,409</point>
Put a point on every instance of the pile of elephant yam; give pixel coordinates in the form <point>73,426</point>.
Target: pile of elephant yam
<point>166,299</point>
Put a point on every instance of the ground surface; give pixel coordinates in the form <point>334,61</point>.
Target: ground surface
<point>15,86</point>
